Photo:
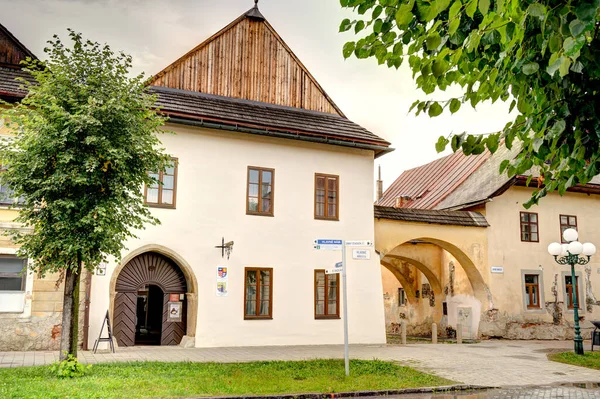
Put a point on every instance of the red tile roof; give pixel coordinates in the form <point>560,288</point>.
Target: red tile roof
<point>426,186</point>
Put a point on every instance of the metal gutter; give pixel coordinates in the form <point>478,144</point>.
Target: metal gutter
<point>379,150</point>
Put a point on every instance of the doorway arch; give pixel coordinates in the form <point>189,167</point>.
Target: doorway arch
<point>131,282</point>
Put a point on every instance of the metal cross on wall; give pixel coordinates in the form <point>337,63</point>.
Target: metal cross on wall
<point>226,247</point>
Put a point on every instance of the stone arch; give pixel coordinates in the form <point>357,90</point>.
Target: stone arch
<point>190,280</point>
<point>480,289</point>
<point>433,279</point>
<point>411,296</point>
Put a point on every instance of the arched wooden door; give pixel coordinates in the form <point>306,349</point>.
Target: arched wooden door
<point>145,269</point>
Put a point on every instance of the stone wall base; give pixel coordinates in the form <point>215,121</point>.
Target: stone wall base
<point>31,333</point>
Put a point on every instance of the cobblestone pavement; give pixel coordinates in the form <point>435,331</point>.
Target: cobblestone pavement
<point>497,363</point>
<point>544,392</point>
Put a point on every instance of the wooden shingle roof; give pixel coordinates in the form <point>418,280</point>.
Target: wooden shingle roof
<point>268,119</point>
<point>10,88</point>
<point>456,218</point>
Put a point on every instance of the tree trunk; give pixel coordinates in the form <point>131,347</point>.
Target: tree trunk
<point>70,319</point>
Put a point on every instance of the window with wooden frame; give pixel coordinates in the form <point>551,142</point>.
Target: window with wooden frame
<point>532,291</point>
<point>260,191</point>
<point>258,293</point>
<point>569,291</point>
<point>567,222</point>
<point>163,193</point>
<point>327,295</point>
<point>12,276</point>
<point>327,196</point>
<point>529,227</point>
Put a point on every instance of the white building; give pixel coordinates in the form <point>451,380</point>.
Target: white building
<point>264,160</point>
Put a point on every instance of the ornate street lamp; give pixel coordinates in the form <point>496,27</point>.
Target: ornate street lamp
<point>571,254</point>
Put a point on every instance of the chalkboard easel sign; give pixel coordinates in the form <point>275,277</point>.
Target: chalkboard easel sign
<point>110,335</point>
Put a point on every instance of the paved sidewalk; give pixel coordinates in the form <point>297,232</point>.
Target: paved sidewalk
<point>490,363</point>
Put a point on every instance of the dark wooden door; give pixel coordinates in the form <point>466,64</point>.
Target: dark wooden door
<point>154,269</point>
<point>172,332</point>
<point>125,318</point>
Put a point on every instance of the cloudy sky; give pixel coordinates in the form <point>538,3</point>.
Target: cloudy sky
<point>157,32</point>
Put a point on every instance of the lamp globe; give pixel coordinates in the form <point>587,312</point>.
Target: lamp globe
<point>555,249</point>
<point>589,249</point>
<point>575,248</point>
<point>570,235</point>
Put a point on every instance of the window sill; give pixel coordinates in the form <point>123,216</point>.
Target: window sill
<point>327,317</point>
<point>160,206</point>
<point>329,219</point>
<point>534,310</point>
<point>258,318</point>
<point>251,213</point>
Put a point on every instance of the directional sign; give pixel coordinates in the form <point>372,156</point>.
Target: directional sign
<point>337,269</point>
<point>361,254</point>
<point>327,245</point>
<point>327,242</point>
<point>359,243</point>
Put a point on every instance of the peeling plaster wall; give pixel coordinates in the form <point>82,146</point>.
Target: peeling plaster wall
<point>510,318</point>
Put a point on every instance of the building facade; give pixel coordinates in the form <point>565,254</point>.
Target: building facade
<point>264,163</point>
<point>459,247</point>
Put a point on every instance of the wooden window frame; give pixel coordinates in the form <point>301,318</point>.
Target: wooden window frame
<point>260,170</point>
<point>569,298</point>
<point>20,275</point>
<point>529,293</point>
<point>568,225</point>
<point>326,205</point>
<point>529,223</point>
<point>258,300</point>
<point>337,299</point>
<point>160,189</point>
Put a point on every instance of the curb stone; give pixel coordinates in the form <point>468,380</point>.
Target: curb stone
<point>359,394</point>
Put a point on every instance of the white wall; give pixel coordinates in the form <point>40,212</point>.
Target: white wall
<point>211,203</point>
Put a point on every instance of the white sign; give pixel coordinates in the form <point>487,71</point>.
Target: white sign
<point>361,254</point>
<point>497,269</point>
<point>359,243</point>
<point>328,247</point>
<point>337,269</point>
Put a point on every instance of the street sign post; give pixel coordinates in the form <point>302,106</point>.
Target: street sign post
<point>340,267</point>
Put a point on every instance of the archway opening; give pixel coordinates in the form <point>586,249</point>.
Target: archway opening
<point>148,329</point>
<point>150,301</point>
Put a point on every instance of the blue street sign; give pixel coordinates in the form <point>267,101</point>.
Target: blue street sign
<point>328,242</point>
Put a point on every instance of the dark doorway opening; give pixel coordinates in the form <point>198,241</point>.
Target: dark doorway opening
<point>149,315</point>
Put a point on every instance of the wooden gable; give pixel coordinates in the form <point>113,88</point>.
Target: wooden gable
<point>12,51</point>
<point>248,60</point>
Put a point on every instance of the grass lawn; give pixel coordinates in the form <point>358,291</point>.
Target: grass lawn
<point>589,359</point>
<point>181,380</point>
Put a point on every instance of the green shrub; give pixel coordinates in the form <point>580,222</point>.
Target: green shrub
<point>69,368</point>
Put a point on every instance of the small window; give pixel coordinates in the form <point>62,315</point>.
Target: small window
<point>569,293</point>
<point>529,227</point>
<point>567,222</point>
<point>532,291</point>
<point>258,295</point>
<point>327,293</point>
<point>12,277</point>
<point>327,193</point>
<point>163,195</point>
<point>259,200</point>
<point>401,297</point>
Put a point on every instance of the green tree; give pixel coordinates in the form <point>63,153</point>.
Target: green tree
<point>543,56</point>
<point>84,139</point>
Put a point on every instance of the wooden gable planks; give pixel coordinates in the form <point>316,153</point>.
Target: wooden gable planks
<point>248,60</point>
<point>12,51</point>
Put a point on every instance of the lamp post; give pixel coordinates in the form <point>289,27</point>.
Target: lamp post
<point>571,254</point>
